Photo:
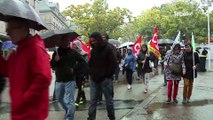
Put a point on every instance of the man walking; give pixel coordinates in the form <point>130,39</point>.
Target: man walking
<point>102,66</point>
<point>64,61</point>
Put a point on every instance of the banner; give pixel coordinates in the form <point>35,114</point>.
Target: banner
<point>137,46</point>
<point>153,44</point>
<point>85,48</point>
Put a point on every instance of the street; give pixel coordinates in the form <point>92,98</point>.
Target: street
<point>135,105</point>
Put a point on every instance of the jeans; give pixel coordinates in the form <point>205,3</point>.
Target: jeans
<point>107,87</point>
<point>65,94</point>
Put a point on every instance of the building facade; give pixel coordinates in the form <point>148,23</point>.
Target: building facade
<point>49,12</point>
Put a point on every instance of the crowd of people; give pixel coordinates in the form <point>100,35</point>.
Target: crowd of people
<point>30,74</point>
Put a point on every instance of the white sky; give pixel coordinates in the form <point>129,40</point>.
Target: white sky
<point>135,6</point>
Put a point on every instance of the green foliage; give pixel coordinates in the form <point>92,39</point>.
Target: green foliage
<point>97,17</point>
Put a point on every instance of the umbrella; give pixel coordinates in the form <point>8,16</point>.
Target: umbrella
<point>165,42</point>
<point>53,38</point>
<point>8,45</point>
<point>17,8</point>
<point>126,44</point>
<point>114,42</point>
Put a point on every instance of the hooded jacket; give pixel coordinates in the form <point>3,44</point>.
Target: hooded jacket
<point>30,76</point>
<point>65,68</point>
<point>131,60</point>
<point>103,60</point>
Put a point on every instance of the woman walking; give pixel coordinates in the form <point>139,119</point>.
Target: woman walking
<point>191,62</point>
<point>174,60</point>
<point>129,66</point>
<point>143,66</point>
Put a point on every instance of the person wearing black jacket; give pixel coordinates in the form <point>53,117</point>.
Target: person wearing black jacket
<point>64,62</point>
<point>102,66</point>
<point>191,72</point>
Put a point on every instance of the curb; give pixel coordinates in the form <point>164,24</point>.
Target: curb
<point>139,109</point>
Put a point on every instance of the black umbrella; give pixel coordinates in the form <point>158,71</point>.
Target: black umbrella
<point>53,38</point>
<point>17,8</point>
<point>165,42</point>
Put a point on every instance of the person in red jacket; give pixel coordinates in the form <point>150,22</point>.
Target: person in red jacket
<point>29,73</point>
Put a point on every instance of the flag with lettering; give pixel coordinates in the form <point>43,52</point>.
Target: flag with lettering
<point>153,44</point>
<point>137,46</point>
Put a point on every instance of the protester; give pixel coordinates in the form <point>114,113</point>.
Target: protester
<point>174,60</point>
<point>64,61</point>
<point>2,79</point>
<point>191,62</point>
<point>29,74</point>
<point>129,66</point>
<point>144,68</point>
<point>204,52</point>
<point>81,73</point>
<point>102,65</point>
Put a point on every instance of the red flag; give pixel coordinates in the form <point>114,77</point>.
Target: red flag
<point>137,46</point>
<point>85,48</point>
<point>153,44</point>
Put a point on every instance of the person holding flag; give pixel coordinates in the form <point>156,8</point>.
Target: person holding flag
<point>191,59</point>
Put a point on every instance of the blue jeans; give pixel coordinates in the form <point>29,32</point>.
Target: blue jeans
<point>107,87</point>
<point>65,94</point>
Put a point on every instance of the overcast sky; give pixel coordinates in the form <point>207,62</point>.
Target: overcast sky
<point>135,6</point>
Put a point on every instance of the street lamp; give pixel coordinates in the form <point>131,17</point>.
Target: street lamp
<point>209,37</point>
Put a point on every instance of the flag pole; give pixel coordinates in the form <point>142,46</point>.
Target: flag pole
<point>193,56</point>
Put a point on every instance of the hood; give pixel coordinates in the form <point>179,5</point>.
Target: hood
<point>99,41</point>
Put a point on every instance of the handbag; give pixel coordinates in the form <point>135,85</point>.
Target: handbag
<point>176,68</point>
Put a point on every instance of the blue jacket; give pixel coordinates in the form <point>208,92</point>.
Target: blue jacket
<point>131,60</point>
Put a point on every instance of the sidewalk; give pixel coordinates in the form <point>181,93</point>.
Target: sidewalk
<point>125,101</point>
<point>155,108</point>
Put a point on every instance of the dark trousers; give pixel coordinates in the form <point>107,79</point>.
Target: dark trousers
<point>129,76</point>
<point>80,80</point>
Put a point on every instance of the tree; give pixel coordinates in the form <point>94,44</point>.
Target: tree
<point>181,15</point>
<point>97,17</point>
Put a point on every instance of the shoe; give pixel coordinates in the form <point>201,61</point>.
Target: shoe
<point>188,101</point>
<point>168,101</point>
<point>129,87</point>
<point>175,101</point>
<point>99,102</point>
<point>184,101</point>
<point>145,91</point>
<point>82,102</point>
<point>76,104</point>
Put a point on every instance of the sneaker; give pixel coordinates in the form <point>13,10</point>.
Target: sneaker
<point>184,101</point>
<point>175,101</point>
<point>168,101</point>
<point>129,87</point>
<point>76,104</point>
<point>188,101</point>
<point>82,102</point>
<point>145,91</point>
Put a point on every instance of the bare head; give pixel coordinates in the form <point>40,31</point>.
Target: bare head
<point>17,29</point>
